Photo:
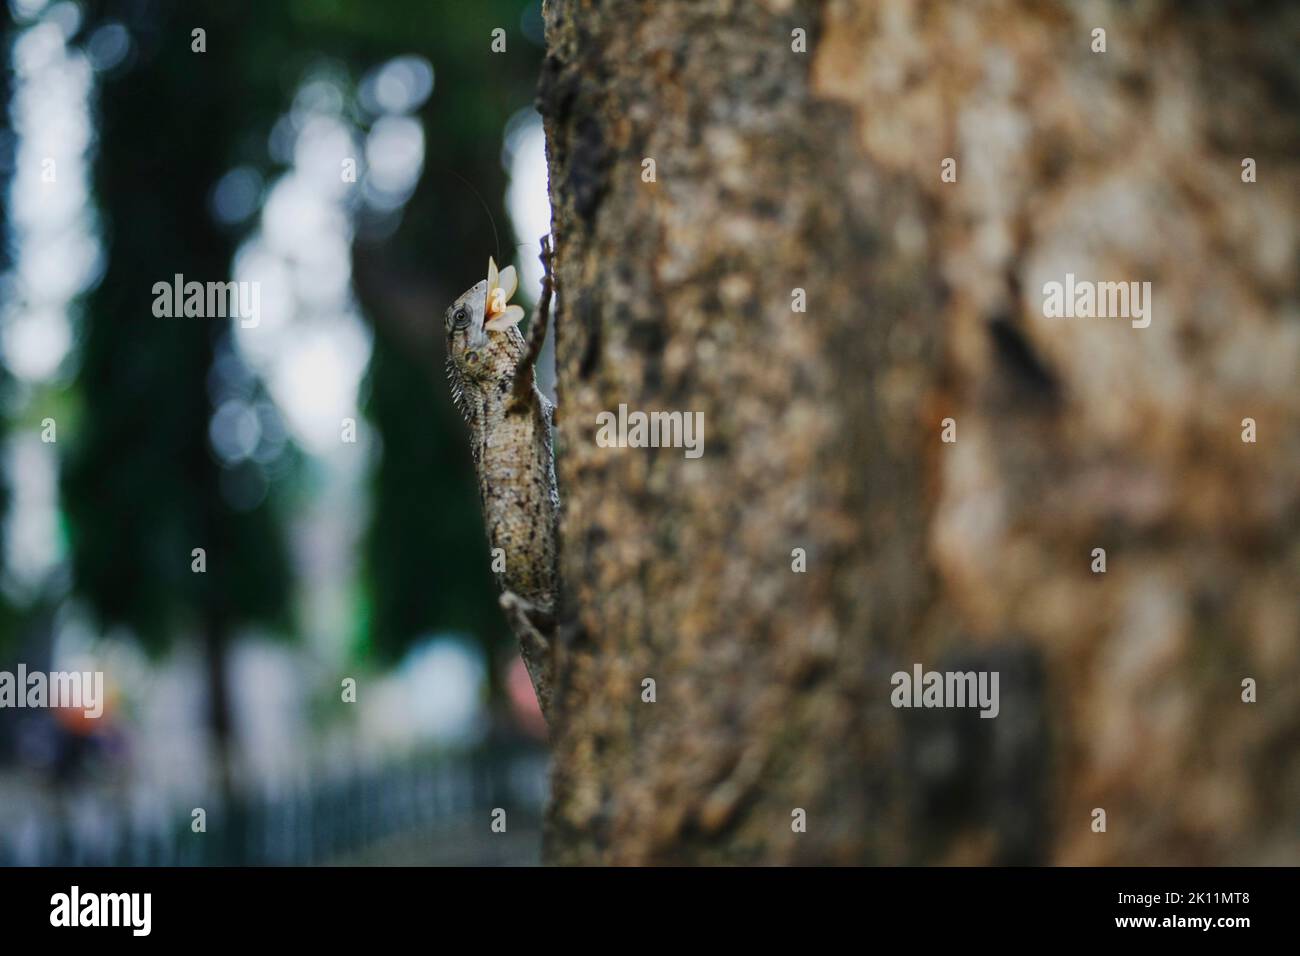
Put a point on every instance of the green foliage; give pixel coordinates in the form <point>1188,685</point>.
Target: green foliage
<point>141,487</point>
<point>427,553</point>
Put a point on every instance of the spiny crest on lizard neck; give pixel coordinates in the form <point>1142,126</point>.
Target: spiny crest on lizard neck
<point>484,343</point>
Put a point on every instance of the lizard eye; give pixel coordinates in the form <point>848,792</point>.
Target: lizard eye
<point>460,319</point>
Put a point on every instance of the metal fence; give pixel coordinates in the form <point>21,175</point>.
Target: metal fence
<point>426,809</point>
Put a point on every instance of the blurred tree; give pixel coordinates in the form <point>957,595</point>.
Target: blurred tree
<point>828,537</point>
<point>7,147</point>
<point>141,486</point>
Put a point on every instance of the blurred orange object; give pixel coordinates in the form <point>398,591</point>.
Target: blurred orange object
<point>523,701</point>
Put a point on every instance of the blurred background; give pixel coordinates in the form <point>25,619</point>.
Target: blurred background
<point>315,457</point>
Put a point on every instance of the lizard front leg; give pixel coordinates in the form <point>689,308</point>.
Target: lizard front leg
<point>524,390</point>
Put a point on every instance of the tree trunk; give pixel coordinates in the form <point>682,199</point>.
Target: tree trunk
<point>216,649</point>
<point>779,173</point>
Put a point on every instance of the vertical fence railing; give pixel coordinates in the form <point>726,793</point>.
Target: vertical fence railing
<point>325,821</point>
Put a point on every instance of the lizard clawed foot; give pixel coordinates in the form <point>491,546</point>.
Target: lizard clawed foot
<point>547,256</point>
<point>532,625</point>
<point>522,397</point>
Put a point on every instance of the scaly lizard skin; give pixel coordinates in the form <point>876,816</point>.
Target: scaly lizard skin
<point>490,367</point>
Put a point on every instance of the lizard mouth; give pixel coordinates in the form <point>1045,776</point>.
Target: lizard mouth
<point>498,314</point>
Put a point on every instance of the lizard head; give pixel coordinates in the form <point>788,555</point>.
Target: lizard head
<point>480,313</point>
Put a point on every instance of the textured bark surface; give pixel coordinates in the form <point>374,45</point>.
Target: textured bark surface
<point>779,170</point>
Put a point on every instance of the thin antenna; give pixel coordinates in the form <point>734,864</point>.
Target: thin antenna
<point>495,238</point>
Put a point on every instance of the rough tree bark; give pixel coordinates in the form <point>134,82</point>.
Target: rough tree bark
<point>778,170</point>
